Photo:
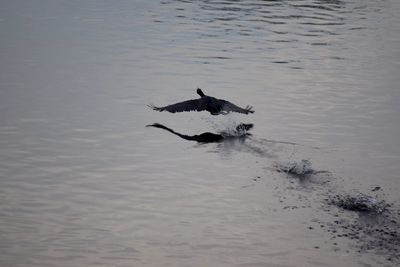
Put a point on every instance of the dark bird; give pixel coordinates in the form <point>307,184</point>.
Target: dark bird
<point>211,104</point>
<point>208,137</point>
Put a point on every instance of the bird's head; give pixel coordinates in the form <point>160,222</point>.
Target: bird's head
<point>200,92</point>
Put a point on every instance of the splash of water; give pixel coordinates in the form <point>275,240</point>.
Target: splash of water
<point>360,202</point>
<point>229,127</point>
<point>298,168</point>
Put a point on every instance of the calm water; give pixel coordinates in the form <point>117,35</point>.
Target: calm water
<point>83,182</point>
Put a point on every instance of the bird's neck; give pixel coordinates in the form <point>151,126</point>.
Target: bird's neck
<point>200,92</point>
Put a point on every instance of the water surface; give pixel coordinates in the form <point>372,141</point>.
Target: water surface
<point>83,182</point>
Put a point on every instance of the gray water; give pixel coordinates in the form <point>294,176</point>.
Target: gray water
<point>83,182</point>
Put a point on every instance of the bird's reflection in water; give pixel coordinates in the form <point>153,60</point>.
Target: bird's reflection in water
<point>240,132</point>
<point>229,141</point>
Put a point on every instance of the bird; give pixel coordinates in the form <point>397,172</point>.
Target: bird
<point>208,137</point>
<point>211,104</point>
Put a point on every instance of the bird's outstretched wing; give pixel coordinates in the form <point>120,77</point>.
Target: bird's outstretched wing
<point>189,105</point>
<point>229,107</point>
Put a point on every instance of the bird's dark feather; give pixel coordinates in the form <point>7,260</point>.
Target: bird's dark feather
<point>213,105</point>
<point>189,105</point>
<point>230,107</point>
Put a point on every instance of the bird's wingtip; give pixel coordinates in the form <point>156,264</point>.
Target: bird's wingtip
<point>249,109</point>
<point>154,107</point>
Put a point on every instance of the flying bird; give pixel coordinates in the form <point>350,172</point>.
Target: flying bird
<point>211,104</point>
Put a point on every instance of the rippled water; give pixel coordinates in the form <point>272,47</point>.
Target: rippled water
<point>83,182</point>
